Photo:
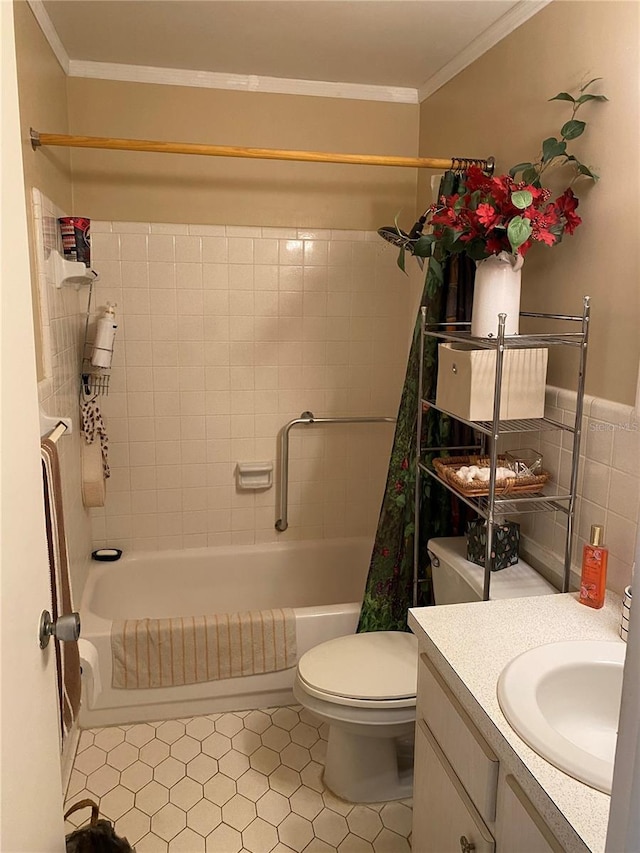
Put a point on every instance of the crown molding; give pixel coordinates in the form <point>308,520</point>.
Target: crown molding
<point>505,25</point>
<point>49,32</point>
<point>509,22</point>
<point>240,82</point>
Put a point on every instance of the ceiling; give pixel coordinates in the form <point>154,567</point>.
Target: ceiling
<point>391,43</point>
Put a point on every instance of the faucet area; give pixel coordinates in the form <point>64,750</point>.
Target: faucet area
<point>341,516</point>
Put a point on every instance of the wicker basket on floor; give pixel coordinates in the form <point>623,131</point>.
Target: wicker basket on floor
<point>447,466</point>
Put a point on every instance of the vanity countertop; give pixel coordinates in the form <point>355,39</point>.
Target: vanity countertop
<point>470,644</point>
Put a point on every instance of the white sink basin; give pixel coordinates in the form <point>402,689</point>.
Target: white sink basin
<point>563,699</point>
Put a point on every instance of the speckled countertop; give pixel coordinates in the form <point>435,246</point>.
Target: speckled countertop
<point>470,644</point>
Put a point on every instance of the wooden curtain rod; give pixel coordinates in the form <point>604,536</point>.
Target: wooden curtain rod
<point>455,163</point>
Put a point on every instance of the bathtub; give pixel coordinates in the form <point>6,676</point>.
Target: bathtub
<point>323,581</point>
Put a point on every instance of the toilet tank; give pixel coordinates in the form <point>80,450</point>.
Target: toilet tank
<point>456,580</point>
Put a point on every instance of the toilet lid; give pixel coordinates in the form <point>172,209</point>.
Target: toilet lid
<point>379,665</point>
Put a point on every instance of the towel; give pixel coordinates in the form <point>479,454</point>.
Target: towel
<point>191,649</point>
<point>67,657</point>
<point>93,428</point>
<point>94,491</point>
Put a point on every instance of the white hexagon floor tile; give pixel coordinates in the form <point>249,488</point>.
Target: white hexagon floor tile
<point>242,782</point>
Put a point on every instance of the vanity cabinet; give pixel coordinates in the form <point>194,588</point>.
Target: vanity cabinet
<point>518,825</point>
<point>445,818</point>
<point>463,802</point>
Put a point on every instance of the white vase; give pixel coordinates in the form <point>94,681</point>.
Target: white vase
<point>496,291</point>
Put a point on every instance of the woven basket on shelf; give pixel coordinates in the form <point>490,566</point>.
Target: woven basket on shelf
<point>446,467</point>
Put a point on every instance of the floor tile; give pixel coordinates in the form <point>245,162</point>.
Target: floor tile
<point>243,782</point>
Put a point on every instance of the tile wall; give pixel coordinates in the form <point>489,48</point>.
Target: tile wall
<point>62,317</point>
<point>608,481</point>
<point>226,333</point>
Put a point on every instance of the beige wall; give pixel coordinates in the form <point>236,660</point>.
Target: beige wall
<point>138,187</point>
<point>42,91</point>
<point>43,105</point>
<point>499,106</point>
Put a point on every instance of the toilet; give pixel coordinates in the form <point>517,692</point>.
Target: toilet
<point>364,685</point>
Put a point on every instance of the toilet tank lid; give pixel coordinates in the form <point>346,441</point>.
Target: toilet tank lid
<point>377,665</point>
<point>519,581</point>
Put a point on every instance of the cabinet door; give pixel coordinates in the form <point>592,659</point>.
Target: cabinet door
<point>469,755</point>
<point>518,824</point>
<point>443,814</point>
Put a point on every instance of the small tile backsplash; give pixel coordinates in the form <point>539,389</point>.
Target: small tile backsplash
<point>226,334</point>
<point>608,481</point>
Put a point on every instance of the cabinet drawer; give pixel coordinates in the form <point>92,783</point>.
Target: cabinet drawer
<point>443,813</point>
<point>470,756</point>
<point>519,826</point>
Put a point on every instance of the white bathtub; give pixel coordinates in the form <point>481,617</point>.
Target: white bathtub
<point>322,580</point>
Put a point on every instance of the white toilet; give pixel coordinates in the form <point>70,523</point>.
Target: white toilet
<point>364,685</point>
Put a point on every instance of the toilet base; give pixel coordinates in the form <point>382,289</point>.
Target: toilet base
<point>365,769</point>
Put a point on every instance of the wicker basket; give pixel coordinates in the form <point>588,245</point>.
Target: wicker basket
<point>446,467</point>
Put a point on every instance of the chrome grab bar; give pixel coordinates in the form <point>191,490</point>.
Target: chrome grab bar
<point>283,470</point>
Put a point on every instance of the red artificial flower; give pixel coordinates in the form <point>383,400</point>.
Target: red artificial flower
<point>487,215</point>
<point>566,204</point>
<point>478,217</point>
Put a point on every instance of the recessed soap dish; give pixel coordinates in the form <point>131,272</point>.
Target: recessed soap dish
<point>254,475</point>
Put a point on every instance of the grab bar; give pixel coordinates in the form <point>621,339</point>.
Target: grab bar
<point>283,473</point>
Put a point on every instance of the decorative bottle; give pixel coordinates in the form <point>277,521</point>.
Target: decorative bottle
<point>594,569</point>
<point>105,334</point>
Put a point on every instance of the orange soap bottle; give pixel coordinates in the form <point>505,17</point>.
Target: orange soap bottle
<point>594,569</point>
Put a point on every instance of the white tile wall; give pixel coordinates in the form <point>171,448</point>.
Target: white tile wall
<point>226,333</point>
<point>608,481</point>
<point>62,317</point>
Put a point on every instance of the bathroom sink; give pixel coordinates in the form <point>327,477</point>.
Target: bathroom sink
<point>563,699</point>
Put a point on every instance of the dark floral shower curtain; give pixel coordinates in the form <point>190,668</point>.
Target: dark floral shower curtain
<point>447,296</point>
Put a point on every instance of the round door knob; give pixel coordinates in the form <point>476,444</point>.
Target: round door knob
<point>466,846</point>
<point>65,628</point>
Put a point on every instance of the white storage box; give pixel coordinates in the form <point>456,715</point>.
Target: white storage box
<point>467,376</point>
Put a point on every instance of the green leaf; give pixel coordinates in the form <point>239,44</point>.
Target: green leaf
<point>518,231</point>
<point>476,250</point>
<point>584,98</point>
<point>572,129</point>
<point>585,170</point>
<point>423,245</point>
<point>551,148</point>
<point>530,176</point>
<point>435,267</point>
<point>400,260</point>
<point>513,171</point>
<point>521,199</point>
<point>563,96</point>
<point>586,85</point>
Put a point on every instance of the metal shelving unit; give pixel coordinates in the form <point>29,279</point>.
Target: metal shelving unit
<point>551,497</point>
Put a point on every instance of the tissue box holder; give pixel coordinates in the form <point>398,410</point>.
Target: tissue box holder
<point>506,542</point>
<point>466,381</point>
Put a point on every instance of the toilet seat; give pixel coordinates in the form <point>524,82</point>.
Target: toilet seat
<point>372,670</point>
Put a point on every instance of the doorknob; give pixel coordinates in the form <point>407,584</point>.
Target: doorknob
<point>65,628</point>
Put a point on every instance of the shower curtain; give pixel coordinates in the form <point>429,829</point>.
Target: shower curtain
<point>447,296</point>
